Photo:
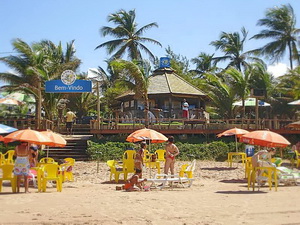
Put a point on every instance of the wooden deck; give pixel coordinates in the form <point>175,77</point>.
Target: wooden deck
<point>194,126</point>
<point>168,127</point>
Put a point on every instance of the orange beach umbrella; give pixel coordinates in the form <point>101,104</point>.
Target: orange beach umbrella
<point>234,131</point>
<point>265,138</point>
<point>147,134</point>
<point>56,139</point>
<point>27,135</point>
<point>237,132</point>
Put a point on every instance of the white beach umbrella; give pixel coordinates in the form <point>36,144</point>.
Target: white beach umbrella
<point>251,102</point>
<point>297,102</point>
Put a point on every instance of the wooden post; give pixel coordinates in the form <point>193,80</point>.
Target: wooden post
<point>98,105</point>
<point>256,113</point>
<point>39,108</point>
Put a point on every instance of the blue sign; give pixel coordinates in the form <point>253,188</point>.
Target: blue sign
<point>164,62</point>
<point>57,86</point>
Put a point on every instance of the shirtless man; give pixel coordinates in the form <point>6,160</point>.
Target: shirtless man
<point>171,152</point>
<point>22,165</point>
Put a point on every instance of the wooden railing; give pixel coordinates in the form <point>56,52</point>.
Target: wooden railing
<point>215,124</point>
<point>27,123</point>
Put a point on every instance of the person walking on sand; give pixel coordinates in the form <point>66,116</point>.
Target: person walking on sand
<point>22,165</point>
<point>185,109</point>
<point>171,152</point>
<point>70,116</point>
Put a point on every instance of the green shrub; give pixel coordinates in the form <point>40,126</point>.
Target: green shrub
<point>114,150</point>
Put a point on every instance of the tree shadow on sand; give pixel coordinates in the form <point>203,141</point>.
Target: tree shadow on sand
<point>220,168</point>
<point>240,192</point>
<point>113,182</point>
<point>234,181</point>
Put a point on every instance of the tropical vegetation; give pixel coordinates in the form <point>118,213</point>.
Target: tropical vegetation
<point>225,78</point>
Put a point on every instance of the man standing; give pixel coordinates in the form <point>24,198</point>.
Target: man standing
<point>185,109</point>
<point>70,116</point>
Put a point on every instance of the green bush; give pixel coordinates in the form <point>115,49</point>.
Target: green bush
<point>114,150</point>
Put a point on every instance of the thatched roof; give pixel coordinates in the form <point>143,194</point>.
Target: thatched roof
<point>166,81</point>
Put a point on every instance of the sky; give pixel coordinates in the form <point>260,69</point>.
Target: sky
<point>187,26</point>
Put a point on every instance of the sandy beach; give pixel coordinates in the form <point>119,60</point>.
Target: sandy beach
<point>219,195</point>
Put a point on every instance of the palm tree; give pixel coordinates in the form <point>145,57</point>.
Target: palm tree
<point>289,84</point>
<point>232,44</point>
<point>204,64</point>
<point>221,93</point>
<point>240,83</point>
<point>280,23</point>
<point>35,64</point>
<point>135,77</point>
<point>128,36</point>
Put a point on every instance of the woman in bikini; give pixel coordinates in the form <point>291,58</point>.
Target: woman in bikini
<point>138,161</point>
<point>171,152</point>
<point>22,165</point>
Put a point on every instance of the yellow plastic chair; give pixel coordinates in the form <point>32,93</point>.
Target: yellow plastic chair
<point>67,168</point>
<point>1,159</point>
<point>47,160</point>
<point>146,155</point>
<point>9,157</point>
<point>51,173</point>
<point>114,170</point>
<point>160,155</point>
<point>7,174</point>
<point>128,162</point>
<point>266,174</point>
<point>248,167</point>
<point>188,169</point>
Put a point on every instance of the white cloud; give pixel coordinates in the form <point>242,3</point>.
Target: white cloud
<point>278,69</point>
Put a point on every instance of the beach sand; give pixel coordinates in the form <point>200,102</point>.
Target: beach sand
<point>219,195</point>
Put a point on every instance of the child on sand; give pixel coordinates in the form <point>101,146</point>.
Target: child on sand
<point>133,184</point>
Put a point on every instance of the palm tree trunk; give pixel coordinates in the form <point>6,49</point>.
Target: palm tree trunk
<point>290,55</point>
<point>146,114</point>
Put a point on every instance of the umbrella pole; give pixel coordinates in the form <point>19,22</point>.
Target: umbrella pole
<point>47,151</point>
<point>236,148</point>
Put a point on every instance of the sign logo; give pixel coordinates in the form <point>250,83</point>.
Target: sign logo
<point>164,62</point>
<point>68,77</point>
